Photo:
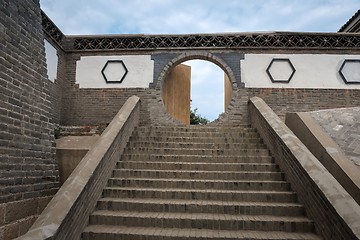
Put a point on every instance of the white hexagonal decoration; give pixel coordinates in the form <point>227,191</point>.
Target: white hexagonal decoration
<point>350,71</point>
<point>114,71</point>
<point>280,70</point>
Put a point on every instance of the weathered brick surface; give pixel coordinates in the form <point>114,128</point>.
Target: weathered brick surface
<point>27,166</point>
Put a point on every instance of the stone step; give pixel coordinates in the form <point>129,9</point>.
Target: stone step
<point>202,221</point>
<point>167,144</point>
<point>219,140</point>
<point>201,206</point>
<point>197,151</point>
<point>106,232</point>
<point>195,175</point>
<point>195,128</point>
<point>196,158</point>
<point>239,134</point>
<point>199,166</point>
<point>201,194</point>
<point>199,184</point>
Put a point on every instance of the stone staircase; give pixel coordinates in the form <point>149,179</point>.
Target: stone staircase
<point>197,182</point>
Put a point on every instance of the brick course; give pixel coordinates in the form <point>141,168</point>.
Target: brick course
<point>283,100</point>
<point>98,106</point>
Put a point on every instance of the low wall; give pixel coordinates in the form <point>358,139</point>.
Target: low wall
<point>334,211</point>
<point>70,150</point>
<point>77,198</point>
<point>326,151</point>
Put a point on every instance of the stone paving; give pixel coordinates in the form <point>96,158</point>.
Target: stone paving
<point>343,125</point>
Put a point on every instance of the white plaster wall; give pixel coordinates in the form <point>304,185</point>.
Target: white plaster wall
<point>140,71</point>
<point>51,61</point>
<point>312,71</point>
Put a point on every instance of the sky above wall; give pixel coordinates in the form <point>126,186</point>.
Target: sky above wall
<point>86,17</point>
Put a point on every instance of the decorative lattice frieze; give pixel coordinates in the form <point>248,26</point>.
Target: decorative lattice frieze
<point>271,40</point>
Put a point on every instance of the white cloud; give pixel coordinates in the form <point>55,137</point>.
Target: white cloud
<point>201,16</point>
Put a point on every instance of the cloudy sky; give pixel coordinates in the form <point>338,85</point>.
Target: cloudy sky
<point>198,16</point>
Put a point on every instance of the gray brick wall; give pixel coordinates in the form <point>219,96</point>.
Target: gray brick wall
<point>28,170</point>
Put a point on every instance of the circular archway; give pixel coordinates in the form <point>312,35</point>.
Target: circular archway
<point>207,91</point>
<point>178,79</point>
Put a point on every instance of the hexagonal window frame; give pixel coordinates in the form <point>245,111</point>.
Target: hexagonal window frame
<point>342,67</point>
<point>280,60</point>
<point>114,61</point>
